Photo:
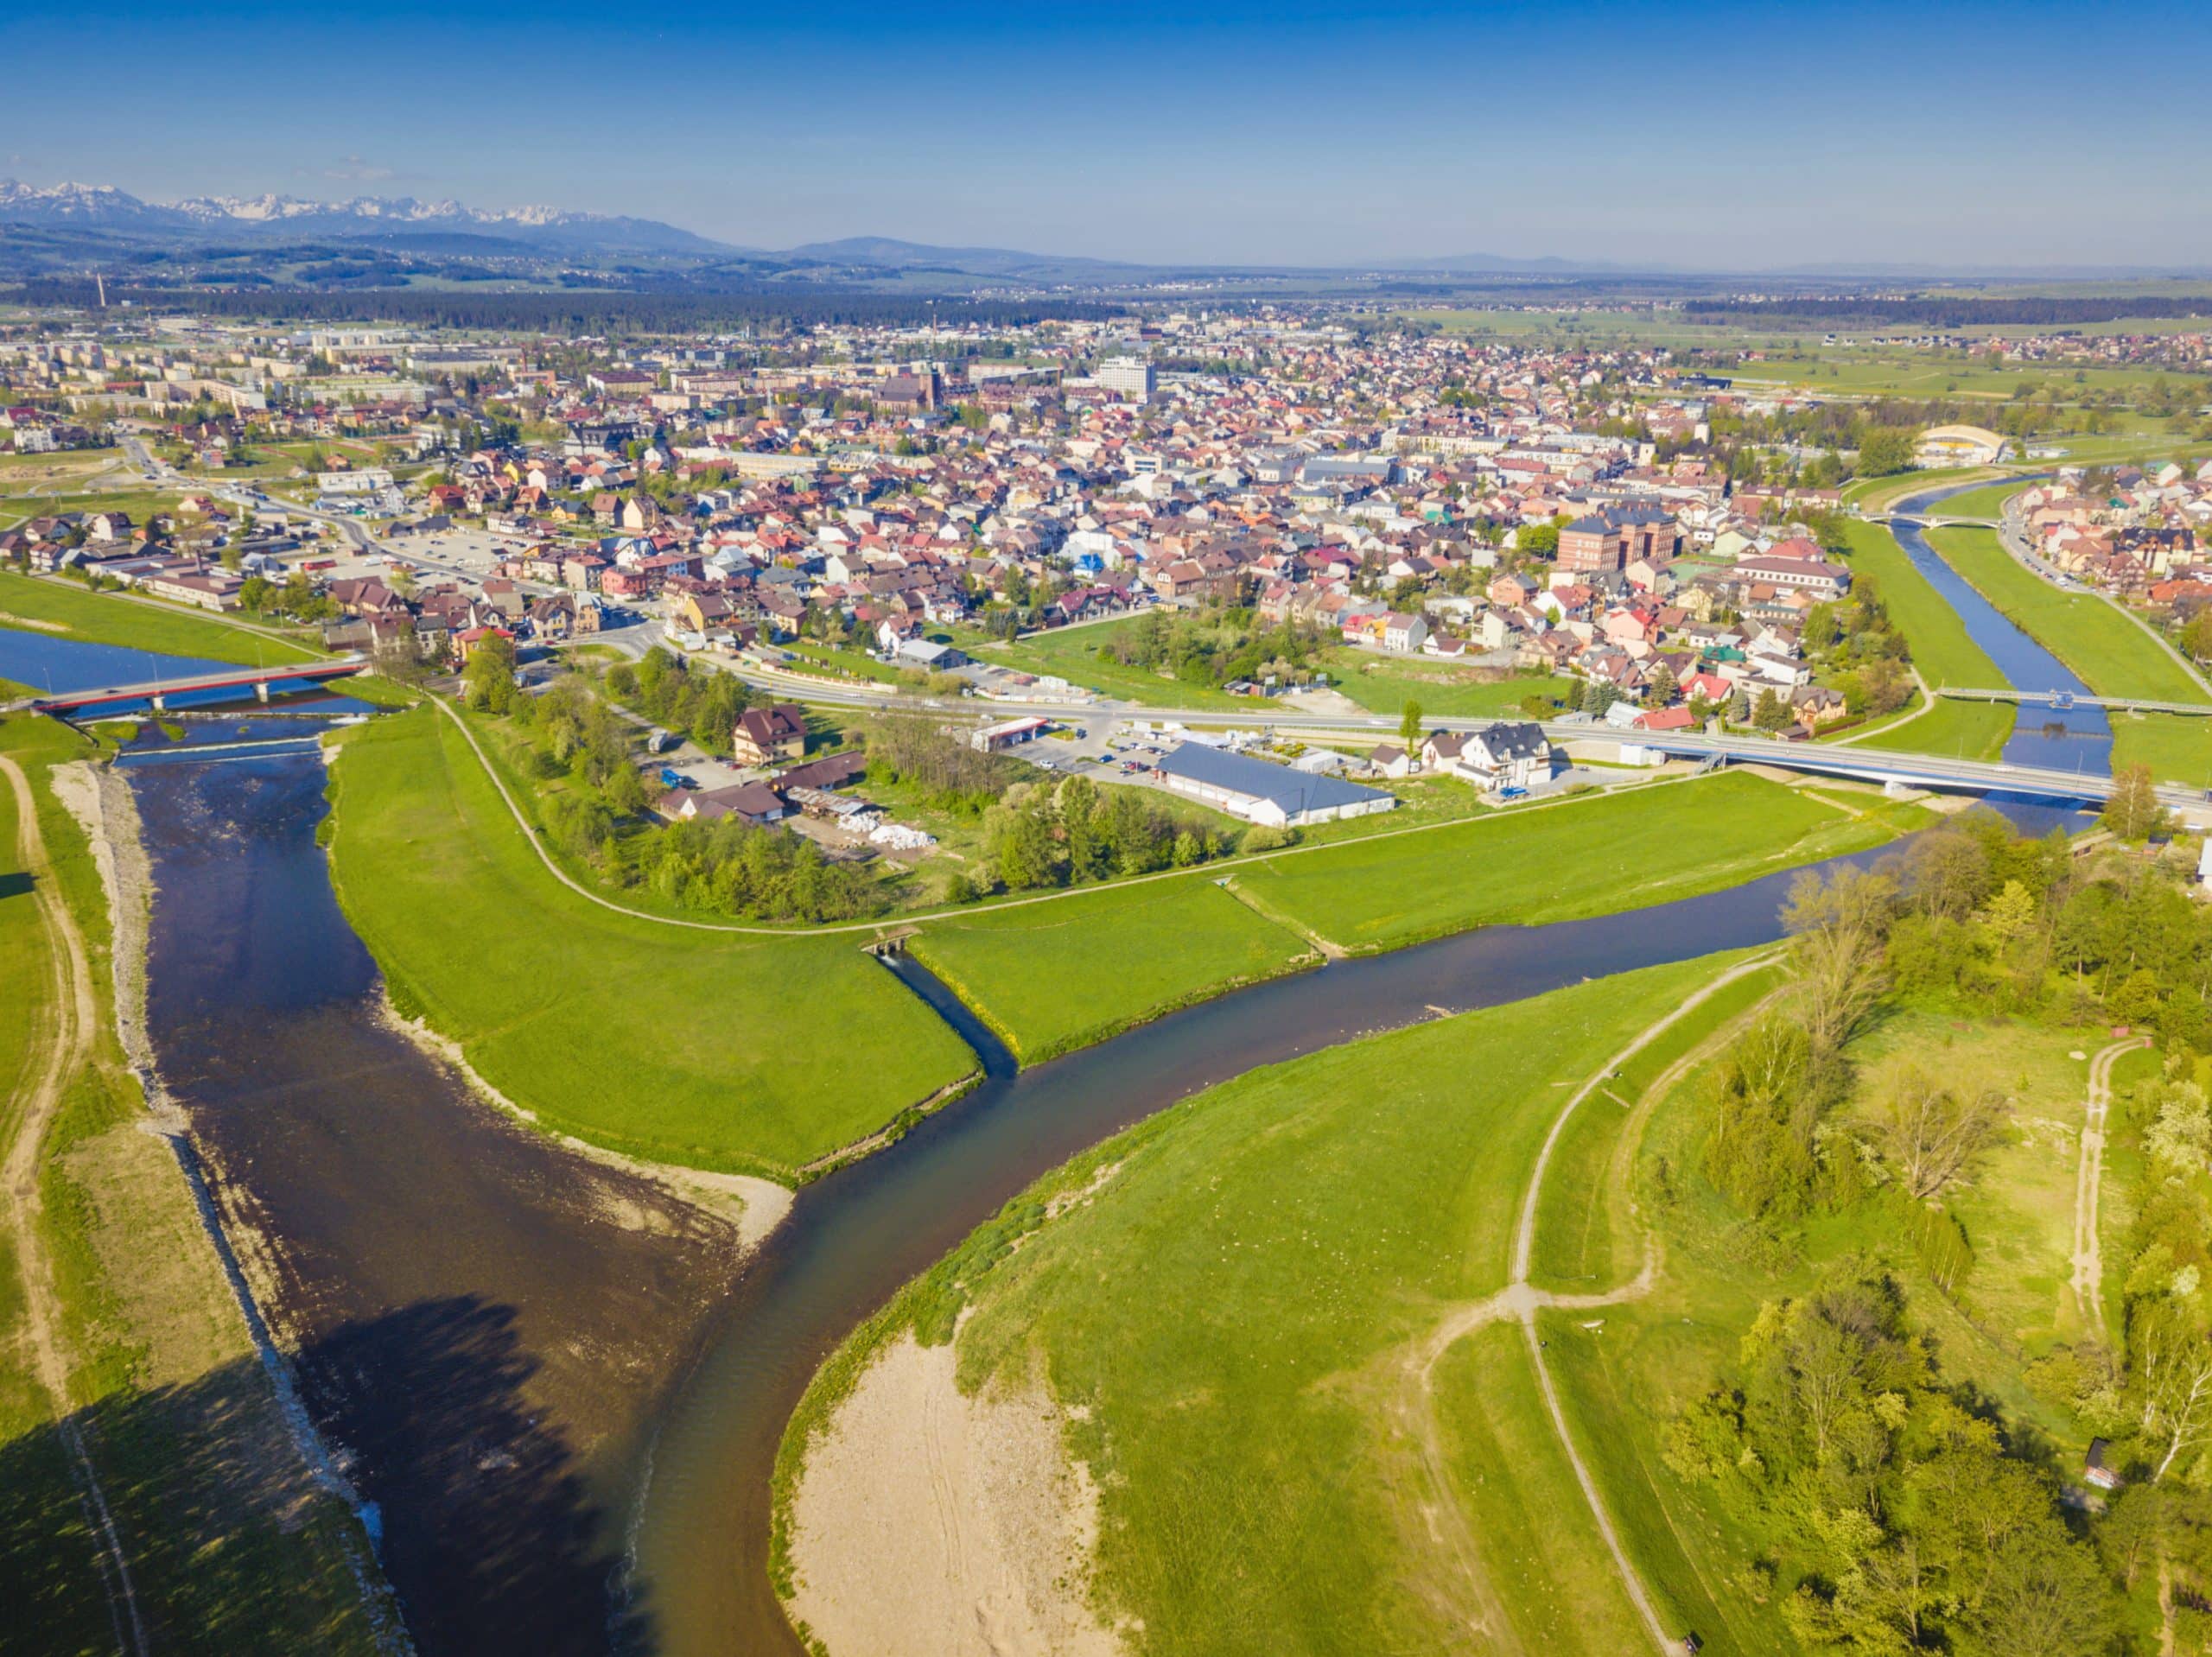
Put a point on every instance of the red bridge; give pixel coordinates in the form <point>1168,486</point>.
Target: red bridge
<point>158,691</point>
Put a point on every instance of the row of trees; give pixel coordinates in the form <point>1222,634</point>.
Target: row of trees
<point>1038,835</point>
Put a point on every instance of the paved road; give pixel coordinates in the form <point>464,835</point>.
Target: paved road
<point>1918,770</point>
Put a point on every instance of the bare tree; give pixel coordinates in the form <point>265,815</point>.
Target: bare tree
<point>1851,898</point>
<point>1933,1134</point>
<point>1839,980</point>
<point>1947,871</point>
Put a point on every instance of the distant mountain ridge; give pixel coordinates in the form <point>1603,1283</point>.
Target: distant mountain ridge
<point>103,207</point>
<point>78,221</point>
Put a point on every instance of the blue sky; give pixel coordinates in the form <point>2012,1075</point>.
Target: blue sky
<point>1721,136</point>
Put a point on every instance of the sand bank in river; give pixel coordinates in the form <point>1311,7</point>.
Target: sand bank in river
<point>928,1524</point>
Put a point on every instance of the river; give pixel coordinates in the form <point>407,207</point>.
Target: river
<point>2074,739</point>
<point>559,1389</point>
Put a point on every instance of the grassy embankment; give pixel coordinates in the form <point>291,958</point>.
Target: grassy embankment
<point>2104,647</point>
<point>78,612</point>
<point>1243,1401</point>
<point>1579,857</point>
<point>1049,977</point>
<point>229,1548</point>
<point>713,1049</point>
<point>1052,977</point>
<point>1942,651</point>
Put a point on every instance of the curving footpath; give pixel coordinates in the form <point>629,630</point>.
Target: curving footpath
<point>1521,1299</point>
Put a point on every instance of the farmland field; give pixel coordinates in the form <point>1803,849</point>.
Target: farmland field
<point>1580,858</point>
<point>712,1050</point>
<point>1049,977</point>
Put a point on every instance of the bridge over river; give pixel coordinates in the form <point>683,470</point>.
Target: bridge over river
<point>158,691</point>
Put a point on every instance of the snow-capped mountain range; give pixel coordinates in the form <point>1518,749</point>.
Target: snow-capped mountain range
<point>103,207</point>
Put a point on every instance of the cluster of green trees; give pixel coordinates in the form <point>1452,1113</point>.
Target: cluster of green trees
<point>1217,646</point>
<point>603,815</point>
<point>293,597</point>
<point>1909,1520</point>
<point>1856,637</point>
<point>729,867</point>
<point>704,706</point>
<point>1036,835</point>
<point>1902,1512</point>
<point>1041,835</point>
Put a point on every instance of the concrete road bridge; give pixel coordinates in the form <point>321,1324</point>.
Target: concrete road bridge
<point>261,681</point>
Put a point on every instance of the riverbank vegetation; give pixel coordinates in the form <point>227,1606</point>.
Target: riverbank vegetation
<point>228,1544</point>
<point>710,1048</point>
<point>1856,1416</point>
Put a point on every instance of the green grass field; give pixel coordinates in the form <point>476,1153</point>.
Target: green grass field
<point>1074,654</point>
<point>747,1054</point>
<point>1054,976</point>
<point>1242,1395</point>
<point>138,624</point>
<point>1384,684</point>
<point>1583,1239</point>
<point>2113,656</point>
<point>1560,863</point>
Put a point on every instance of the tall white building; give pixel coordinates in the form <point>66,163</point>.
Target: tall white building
<point>1128,377</point>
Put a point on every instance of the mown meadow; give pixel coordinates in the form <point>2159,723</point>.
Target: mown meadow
<point>1053,977</point>
<point>78,612</point>
<point>1563,861</point>
<point>711,1049</point>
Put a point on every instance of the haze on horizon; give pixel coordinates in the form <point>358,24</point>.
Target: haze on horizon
<point>1724,136</point>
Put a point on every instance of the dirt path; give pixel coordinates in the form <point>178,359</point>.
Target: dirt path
<point>71,1016</point>
<point>2088,1181</point>
<point>1414,1406</point>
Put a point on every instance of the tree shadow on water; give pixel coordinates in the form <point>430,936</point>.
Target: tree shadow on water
<point>489,1535</point>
